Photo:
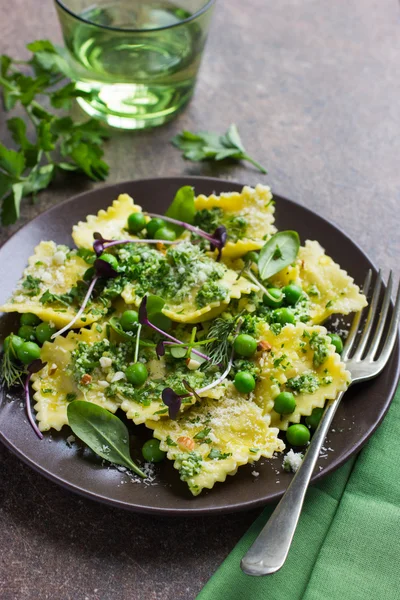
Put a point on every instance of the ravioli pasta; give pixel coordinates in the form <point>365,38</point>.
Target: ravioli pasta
<point>250,214</point>
<point>214,438</point>
<point>302,360</point>
<point>329,288</point>
<point>204,371</point>
<point>52,272</point>
<point>111,223</point>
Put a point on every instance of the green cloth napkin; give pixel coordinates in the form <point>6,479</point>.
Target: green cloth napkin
<point>347,544</point>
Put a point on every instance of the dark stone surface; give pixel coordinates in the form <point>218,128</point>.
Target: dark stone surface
<point>314,88</point>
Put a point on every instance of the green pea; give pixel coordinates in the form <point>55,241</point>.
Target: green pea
<point>315,417</point>
<point>29,319</point>
<point>284,403</point>
<point>28,352</point>
<point>276,300</point>
<point>153,225</point>
<point>136,222</point>
<point>293,293</point>
<point>15,341</point>
<point>110,259</point>
<point>89,274</point>
<point>284,316</point>
<point>244,382</point>
<point>129,320</point>
<point>151,451</point>
<point>298,435</point>
<point>44,331</point>
<point>164,233</point>
<point>27,332</point>
<point>136,374</point>
<point>245,345</point>
<point>337,342</point>
<point>251,257</point>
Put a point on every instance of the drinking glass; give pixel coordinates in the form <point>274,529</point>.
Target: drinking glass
<point>138,59</point>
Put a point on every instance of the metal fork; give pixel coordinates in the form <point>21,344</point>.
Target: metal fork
<point>268,553</point>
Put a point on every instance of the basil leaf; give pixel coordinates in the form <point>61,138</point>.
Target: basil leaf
<point>182,208</point>
<point>279,252</point>
<point>103,432</point>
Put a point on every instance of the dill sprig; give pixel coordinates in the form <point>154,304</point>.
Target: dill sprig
<point>220,350</point>
<point>10,372</point>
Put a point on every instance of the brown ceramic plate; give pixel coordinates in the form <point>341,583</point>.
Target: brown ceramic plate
<point>358,416</point>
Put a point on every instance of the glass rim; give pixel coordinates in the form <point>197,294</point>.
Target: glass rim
<point>202,10</point>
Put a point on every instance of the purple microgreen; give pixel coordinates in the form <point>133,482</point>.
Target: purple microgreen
<point>143,320</point>
<point>35,367</point>
<point>104,269</point>
<point>81,310</point>
<point>160,349</point>
<point>190,389</point>
<point>220,235</point>
<point>100,244</point>
<point>172,400</point>
<point>139,329</point>
<point>260,286</point>
<point>217,239</point>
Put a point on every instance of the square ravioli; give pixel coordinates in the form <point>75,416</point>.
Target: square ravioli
<point>51,285</point>
<point>248,217</point>
<point>329,288</point>
<point>215,437</point>
<point>55,386</point>
<point>111,223</point>
<point>194,286</point>
<point>302,360</point>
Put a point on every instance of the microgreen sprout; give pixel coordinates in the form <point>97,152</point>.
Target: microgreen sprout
<point>34,367</point>
<point>173,401</point>
<point>143,320</point>
<point>81,310</point>
<point>102,269</point>
<point>217,239</point>
<point>260,286</point>
<point>101,244</point>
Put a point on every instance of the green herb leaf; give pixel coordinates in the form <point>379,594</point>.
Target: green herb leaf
<point>12,162</point>
<point>211,146</point>
<point>5,184</point>
<point>216,454</point>
<point>11,205</point>
<point>279,252</point>
<point>31,168</point>
<point>103,432</point>
<point>182,208</point>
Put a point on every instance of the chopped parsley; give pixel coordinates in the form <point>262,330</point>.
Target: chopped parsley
<point>202,435</point>
<point>31,285</point>
<point>307,383</point>
<point>216,454</point>
<point>209,219</point>
<point>211,291</point>
<point>319,343</point>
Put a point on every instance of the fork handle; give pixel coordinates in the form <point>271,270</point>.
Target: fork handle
<point>268,553</point>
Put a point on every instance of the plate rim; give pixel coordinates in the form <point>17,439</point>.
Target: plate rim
<point>232,508</point>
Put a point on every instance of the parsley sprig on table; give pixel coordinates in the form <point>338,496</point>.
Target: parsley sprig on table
<point>205,145</point>
<point>58,142</point>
